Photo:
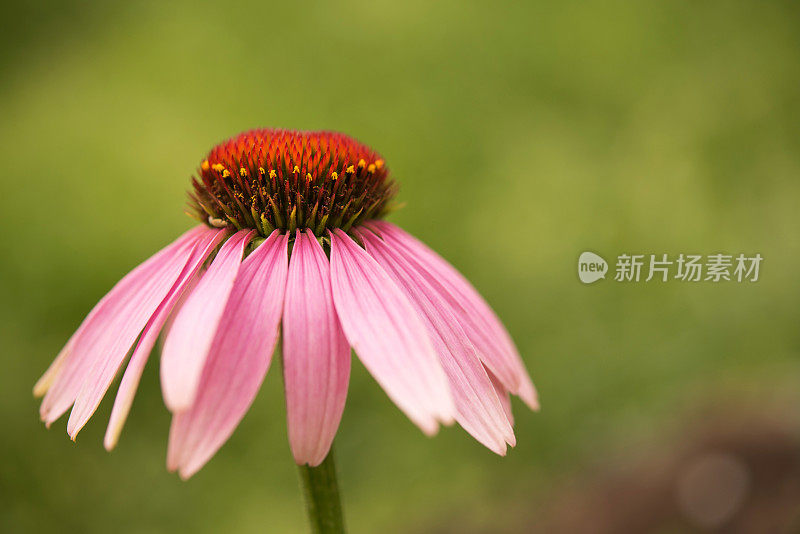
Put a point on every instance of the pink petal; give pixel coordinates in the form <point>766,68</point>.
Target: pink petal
<point>186,347</point>
<point>104,370</point>
<point>495,347</point>
<point>133,373</point>
<point>388,336</point>
<point>238,360</point>
<point>316,355</point>
<point>107,333</point>
<point>503,395</point>
<point>49,376</point>
<point>187,291</point>
<point>478,408</point>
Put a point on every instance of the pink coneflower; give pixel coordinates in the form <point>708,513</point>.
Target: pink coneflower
<point>291,241</point>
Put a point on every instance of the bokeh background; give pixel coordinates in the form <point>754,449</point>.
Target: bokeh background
<point>522,134</point>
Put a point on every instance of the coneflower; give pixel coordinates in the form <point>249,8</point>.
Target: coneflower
<point>292,245</point>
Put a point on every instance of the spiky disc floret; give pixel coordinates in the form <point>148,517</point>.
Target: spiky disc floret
<point>268,178</point>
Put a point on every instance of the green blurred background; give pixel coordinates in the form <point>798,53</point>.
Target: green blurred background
<point>522,134</point>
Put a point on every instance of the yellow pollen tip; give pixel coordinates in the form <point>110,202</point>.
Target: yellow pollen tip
<point>261,171</point>
<point>296,170</point>
<point>205,166</point>
<point>362,164</point>
<point>371,168</point>
<point>225,173</point>
<point>308,176</point>
<point>350,169</point>
<point>335,175</point>
<point>379,163</point>
<point>218,167</point>
<point>242,171</point>
<point>272,173</point>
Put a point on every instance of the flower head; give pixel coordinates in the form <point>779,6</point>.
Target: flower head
<point>280,179</point>
<point>291,246</point>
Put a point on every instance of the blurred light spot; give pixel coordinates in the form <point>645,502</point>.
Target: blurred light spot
<point>711,488</point>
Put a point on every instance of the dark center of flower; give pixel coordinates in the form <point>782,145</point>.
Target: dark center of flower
<point>267,179</point>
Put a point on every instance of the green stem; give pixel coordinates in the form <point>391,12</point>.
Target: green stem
<point>321,493</point>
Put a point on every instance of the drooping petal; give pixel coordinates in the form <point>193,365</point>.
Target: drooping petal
<point>104,370</point>
<point>478,408</point>
<point>388,336</point>
<point>187,291</point>
<point>49,376</point>
<point>102,373</point>
<point>238,360</point>
<point>190,336</point>
<point>133,372</point>
<point>110,329</point>
<point>495,347</point>
<point>316,355</point>
<point>503,395</point>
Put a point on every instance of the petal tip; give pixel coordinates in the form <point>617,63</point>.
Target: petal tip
<point>496,445</point>
<point>511,440</point>
<point>172,462</point>
<point>72,430</point>
<point>430,429</point>
<point>310,462</point>
<point>177,400</point>
<point>189,469</point>
<point>39,390</point>
<point>111,437</point>
<point>532,402</point>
